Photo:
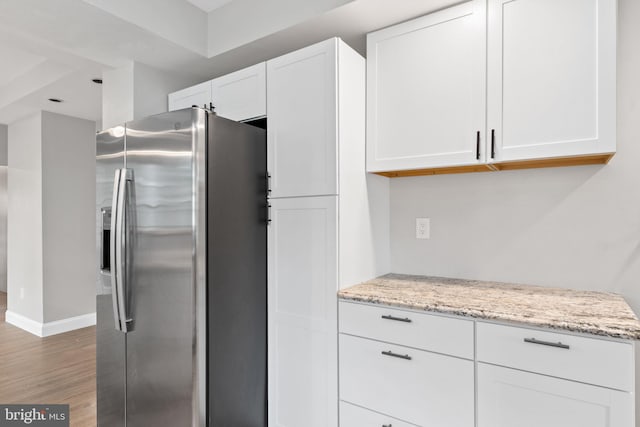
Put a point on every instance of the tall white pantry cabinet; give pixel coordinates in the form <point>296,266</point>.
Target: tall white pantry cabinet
<point>328,226</point>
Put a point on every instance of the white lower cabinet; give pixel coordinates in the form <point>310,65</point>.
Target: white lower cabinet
<point>302,312</point>
<point>420,387</point>
<point>509,398</point>
<point>401,367</point>
<point>355,416</point>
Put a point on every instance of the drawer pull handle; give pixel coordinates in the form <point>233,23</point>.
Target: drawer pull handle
<point>399,356</point>
<point>387,425</point>
<point>547,343</point>
<point>397,319</point>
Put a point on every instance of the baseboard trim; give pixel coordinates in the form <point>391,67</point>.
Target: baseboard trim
<point>50,328</point>
<point>23,322</point>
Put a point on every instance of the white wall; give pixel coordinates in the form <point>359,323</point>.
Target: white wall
<point>576,227</point>
<point>243,21</point>
<point>4,130</point>
<point>24,227</point>
<point>117,96</point>
<point>3,229</point>
<point>51,239</point>
<point>68,203</point>
<point>136,91</point>
<point>151,88</point>
<point>4,144</point>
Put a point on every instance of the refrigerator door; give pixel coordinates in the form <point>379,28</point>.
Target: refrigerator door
<point>163,338</point>
<point>237,274</point>
<point>110,343</point>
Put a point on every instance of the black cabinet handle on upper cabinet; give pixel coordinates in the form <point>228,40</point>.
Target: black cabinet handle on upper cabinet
<point>493,143</point>
<point>478,145</point>
<point>387,425</point>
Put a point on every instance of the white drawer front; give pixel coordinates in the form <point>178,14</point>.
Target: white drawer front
<point>355,416</point>
<point>427,390</point>
<point>589,360</point>
<point>429,332</point>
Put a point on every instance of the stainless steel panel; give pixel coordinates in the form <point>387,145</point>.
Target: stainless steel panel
<point>110,350</point>
<point>161,343</point>
<point>237,271</point>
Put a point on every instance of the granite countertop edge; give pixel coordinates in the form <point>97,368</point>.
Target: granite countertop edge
<point>590,328</point>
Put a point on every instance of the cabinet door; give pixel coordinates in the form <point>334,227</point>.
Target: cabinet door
<point>302,312</point>
<point>301,136</point>
<point>199,95</point>
<point>241,95</point>
<point>552,78</point>
<point>426,91</point>
<point>508,398</point>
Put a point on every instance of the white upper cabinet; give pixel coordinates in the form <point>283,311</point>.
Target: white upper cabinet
<point>492,85</point>
<point>302,111</point>
<point>199,95</point>
<point>552,78</point>
<point>241,95</point>
<point>426,91</point>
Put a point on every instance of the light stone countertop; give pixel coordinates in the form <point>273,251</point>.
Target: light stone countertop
<point>597,313</point>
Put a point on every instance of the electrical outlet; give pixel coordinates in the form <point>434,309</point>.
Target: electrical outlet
<point>423,228</point>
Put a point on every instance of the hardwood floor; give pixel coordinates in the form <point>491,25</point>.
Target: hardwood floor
<point>60,369</point>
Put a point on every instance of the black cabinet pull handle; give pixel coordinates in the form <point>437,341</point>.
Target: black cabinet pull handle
<point>478,145</point>
<point>399,356</point>
<point>387,425</point>
<point>397,319</point>
<point>547,343</point>
<point>493,143</point>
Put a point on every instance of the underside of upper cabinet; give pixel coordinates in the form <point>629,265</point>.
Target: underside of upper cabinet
<point>598,159</point>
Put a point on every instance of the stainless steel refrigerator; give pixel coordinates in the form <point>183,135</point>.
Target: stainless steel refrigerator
<point>181,304</point>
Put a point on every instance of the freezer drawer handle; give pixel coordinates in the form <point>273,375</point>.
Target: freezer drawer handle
<point>399,356</point>
<point>547,343</point>
<point>397,319</point>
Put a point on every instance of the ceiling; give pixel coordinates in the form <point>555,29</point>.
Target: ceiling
<point>54,48</point>
<point>208,5</point>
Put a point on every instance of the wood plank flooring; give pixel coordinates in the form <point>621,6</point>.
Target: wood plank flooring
<point>60,369</point>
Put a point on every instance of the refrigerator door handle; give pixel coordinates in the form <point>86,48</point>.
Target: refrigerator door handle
<point>112,248</point>
<point>126,177</point>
